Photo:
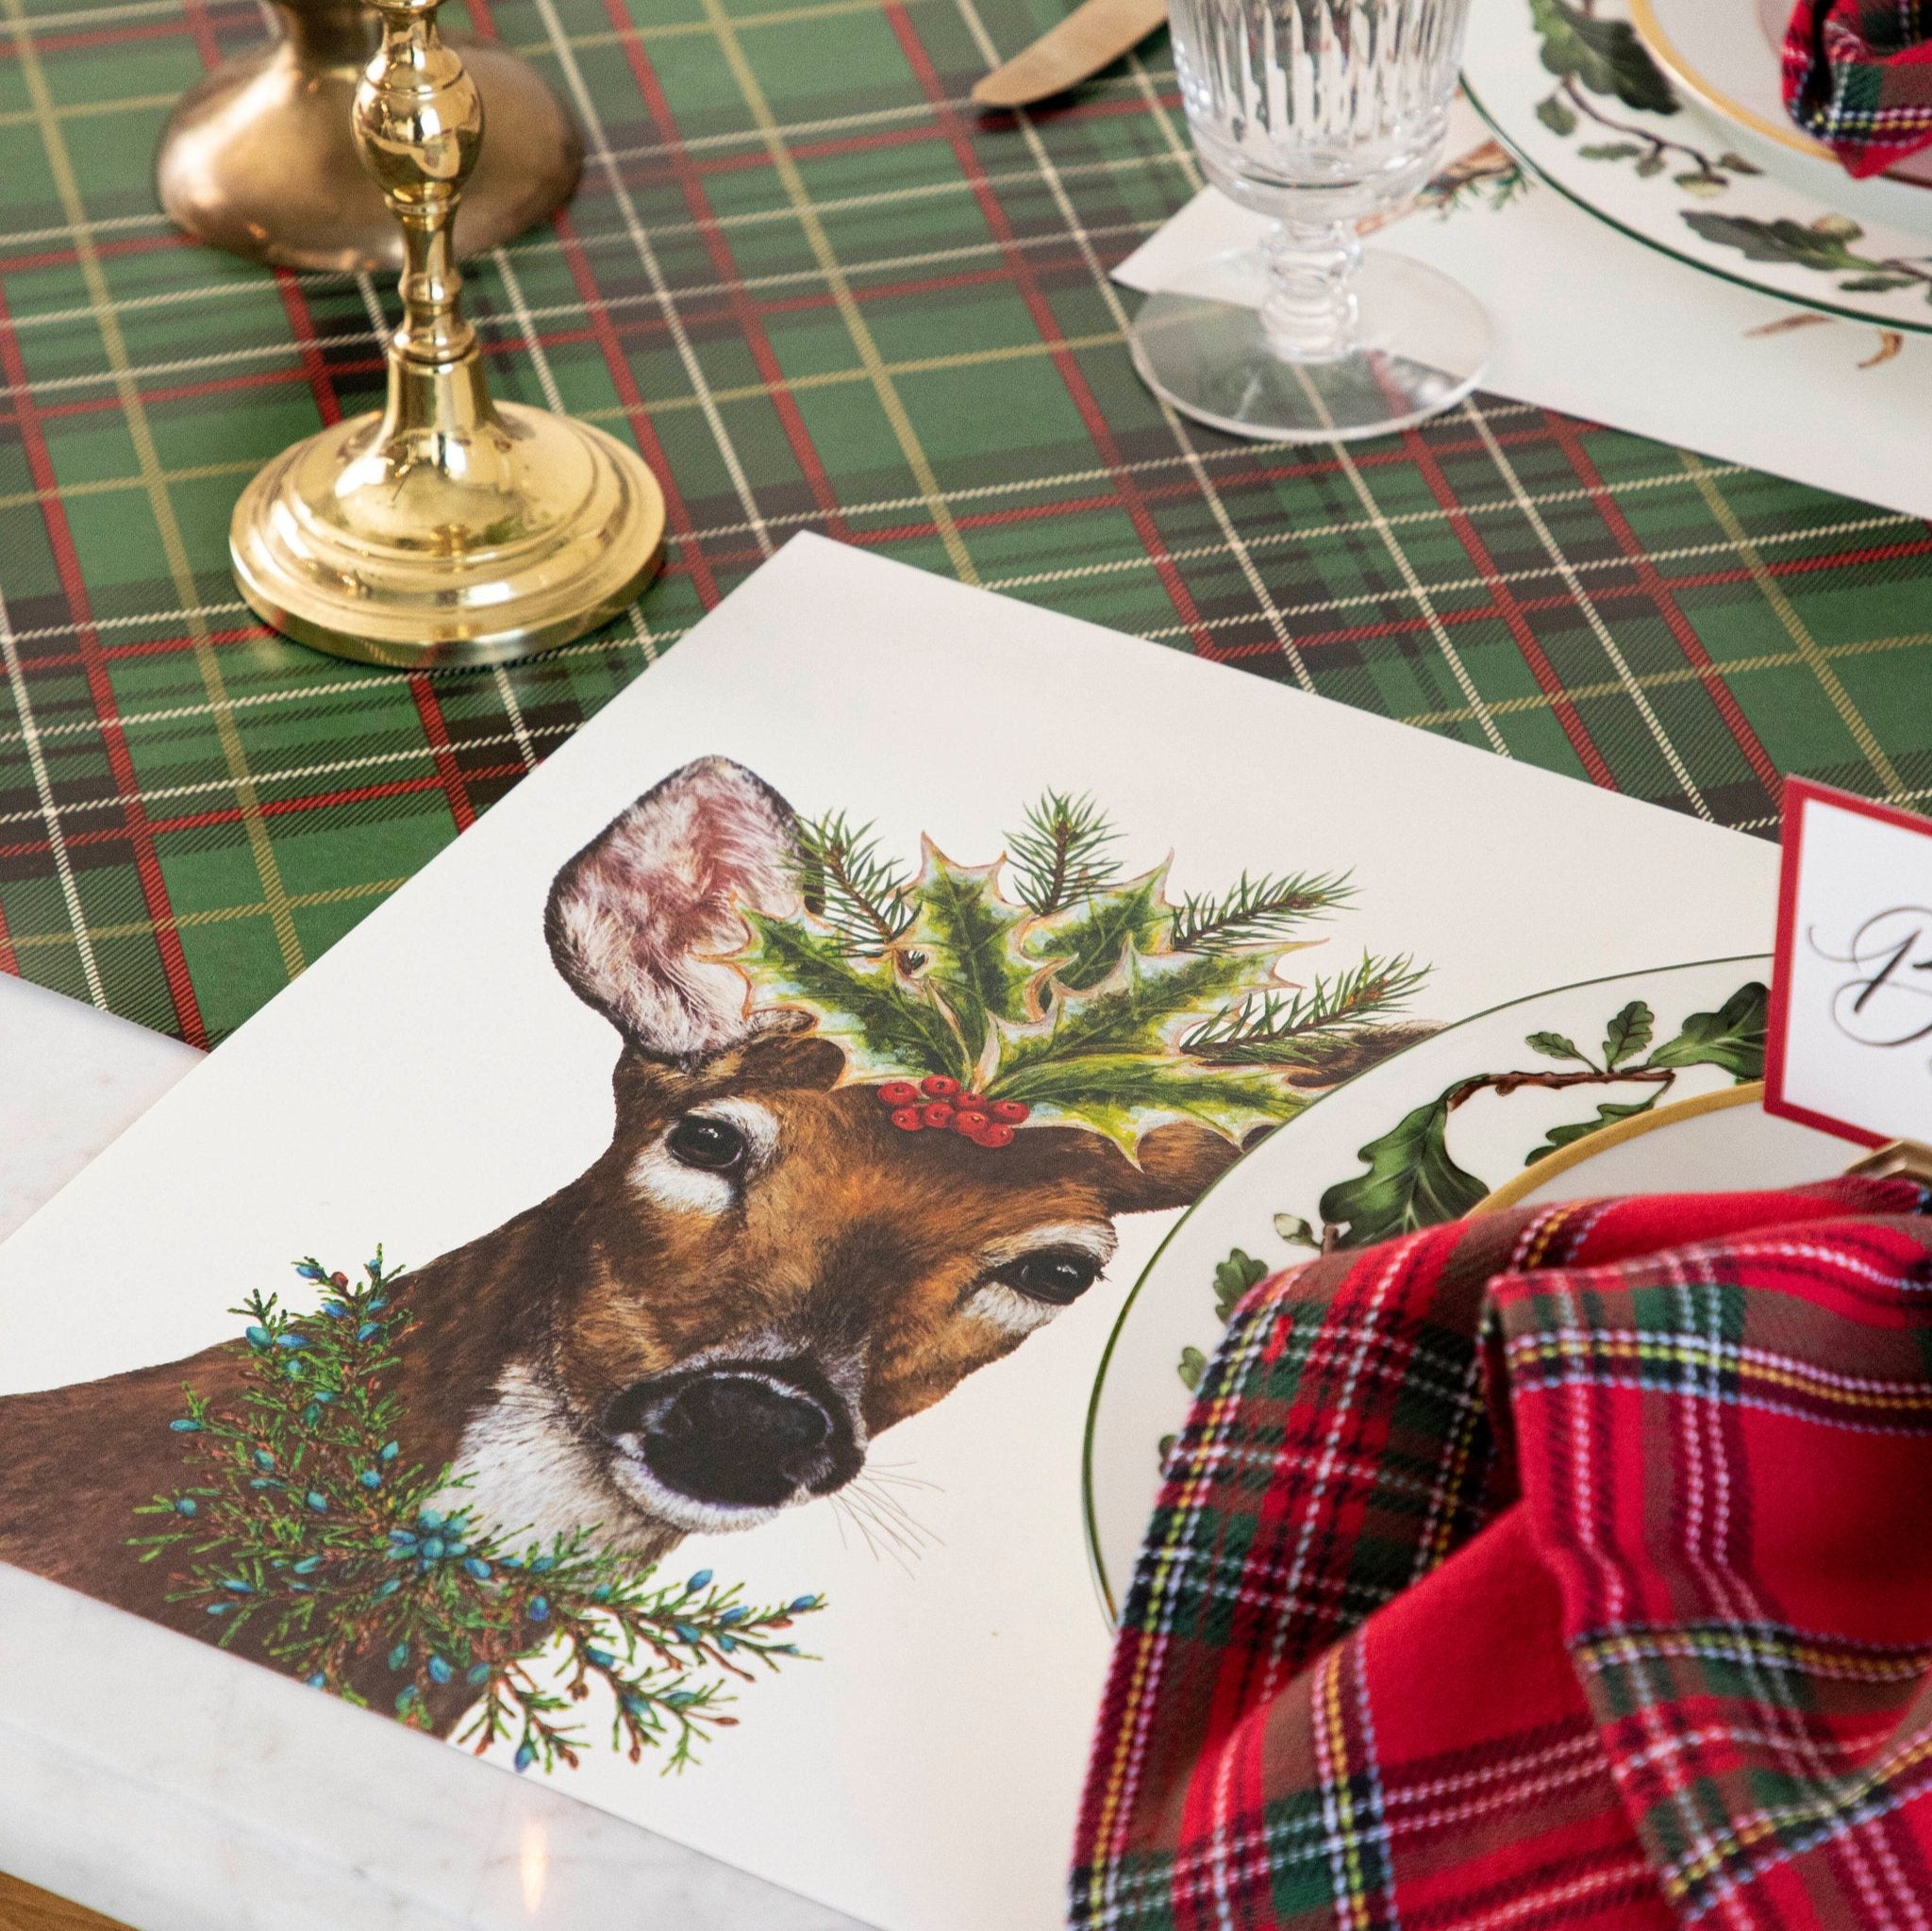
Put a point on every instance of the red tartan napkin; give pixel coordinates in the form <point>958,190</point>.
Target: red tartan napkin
<point>1857,75</point>
<point>1570,1568</point>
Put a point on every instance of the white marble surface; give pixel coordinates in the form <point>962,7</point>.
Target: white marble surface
<point>157,1780</point>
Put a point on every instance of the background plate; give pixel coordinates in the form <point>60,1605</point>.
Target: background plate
<point>1139,1396</point>
<point>1581,100</point>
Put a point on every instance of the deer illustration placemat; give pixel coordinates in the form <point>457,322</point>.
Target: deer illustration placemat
<point>630,1309</point>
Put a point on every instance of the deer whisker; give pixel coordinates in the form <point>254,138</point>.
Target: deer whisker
<point>878,1546</point>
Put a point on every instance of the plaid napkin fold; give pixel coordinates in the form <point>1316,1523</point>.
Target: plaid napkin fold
<point>1570,1568</point>
<point>1857,75</point>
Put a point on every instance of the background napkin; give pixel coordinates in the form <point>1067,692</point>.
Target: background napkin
<point>1857,75</point>
<point>1557,1567</point>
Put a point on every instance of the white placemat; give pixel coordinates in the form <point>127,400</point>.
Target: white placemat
<point>1592,322</point>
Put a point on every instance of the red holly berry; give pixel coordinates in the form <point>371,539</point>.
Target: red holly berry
<point>972,1123</point>
<point>907,1120</point>
<point>898,1092</point>
<point>997,1135</point>
<point>936,1114</point>
<point>972,1103</point>
<point>1011,1112</point>
<point>938,1086</point>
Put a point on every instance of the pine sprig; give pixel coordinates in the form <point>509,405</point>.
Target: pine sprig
<point>1255,911</point>
<point>307,1528</point>
<point>1293,1026</point>
<point>869,902</point>
<point>1061,857</point>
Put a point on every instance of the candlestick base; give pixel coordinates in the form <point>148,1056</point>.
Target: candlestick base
<point>260,158</point>
<point>417,549</point>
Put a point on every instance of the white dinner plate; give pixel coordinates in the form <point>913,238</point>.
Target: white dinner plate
<point>1170,1323</point>
<point>1727,1139</point>
<point>1573,92</point>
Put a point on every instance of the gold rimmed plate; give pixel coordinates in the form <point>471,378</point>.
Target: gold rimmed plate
<point>1568,1091</point>
<point>1725,1139</point>
<point>1649,145</point>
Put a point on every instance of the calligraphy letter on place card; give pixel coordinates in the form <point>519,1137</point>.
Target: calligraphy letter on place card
<point>1850,1047</point>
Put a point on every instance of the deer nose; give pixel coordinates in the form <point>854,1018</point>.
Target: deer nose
<point>743,1436</point>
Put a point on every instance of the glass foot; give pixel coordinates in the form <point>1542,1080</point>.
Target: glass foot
<point>1421,343</point>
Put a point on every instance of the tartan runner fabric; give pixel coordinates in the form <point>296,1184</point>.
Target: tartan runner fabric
<point>1857,73</point>
<point>820,292</point>
<point>1561,1569</point>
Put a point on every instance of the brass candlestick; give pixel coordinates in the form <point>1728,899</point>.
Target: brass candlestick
<point>259,159</point>
<point>448,530</point>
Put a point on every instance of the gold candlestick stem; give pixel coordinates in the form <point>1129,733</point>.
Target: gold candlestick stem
<point>259,157</point>
<point>450,528</point>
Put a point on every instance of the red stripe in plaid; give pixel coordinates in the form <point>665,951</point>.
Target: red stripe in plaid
<point>1561,1569</point>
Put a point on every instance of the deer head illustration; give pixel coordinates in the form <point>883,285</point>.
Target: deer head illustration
<point>873,1128</point>
<point>784,1252</point>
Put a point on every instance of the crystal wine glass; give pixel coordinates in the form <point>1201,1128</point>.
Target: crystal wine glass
<point>1320,113</point>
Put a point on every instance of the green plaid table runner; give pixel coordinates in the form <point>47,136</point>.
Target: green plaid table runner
<point>821,292</point>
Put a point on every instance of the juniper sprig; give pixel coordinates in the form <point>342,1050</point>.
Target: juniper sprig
<point>309,1528</point>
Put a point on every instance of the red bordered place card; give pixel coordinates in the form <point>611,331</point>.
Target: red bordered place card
<point>1850,1046</point>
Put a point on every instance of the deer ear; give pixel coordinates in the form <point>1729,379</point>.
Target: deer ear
<point>640,919</point>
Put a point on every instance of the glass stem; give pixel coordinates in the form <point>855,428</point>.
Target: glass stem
<point>1309,312</point>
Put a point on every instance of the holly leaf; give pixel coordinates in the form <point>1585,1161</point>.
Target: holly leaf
<point>1629,1033</point>
<point>1193,1365</point>
<point>1411,1181</point>
<point>1087,939</point>
<point>1732,1037</point>
<point>1126,1095</point>
<point>883,1022</point>
<point>1146,1005</point>
<point>1604,55</point>
<point>1608,1113</point>
<point>967,935</point>
<point>1556,1046</point>
<point>1233,1277</point>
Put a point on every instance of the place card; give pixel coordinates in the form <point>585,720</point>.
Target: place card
<point>1850,1046</point>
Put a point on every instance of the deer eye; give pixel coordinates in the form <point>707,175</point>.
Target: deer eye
<point>1055,1276</point>
<point>703,1140</point>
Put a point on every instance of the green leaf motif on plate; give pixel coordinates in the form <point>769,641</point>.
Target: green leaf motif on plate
<point>1731,1038</point>
<point>1556,1046</point>
<point>1233,1277</point>
<point>1411,1181</point>
<point>1629,1033</point>
<point>1604,55</point>
<point>1608,1113</point>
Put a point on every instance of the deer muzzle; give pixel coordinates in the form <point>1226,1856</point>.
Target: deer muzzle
<point>740,1434</point>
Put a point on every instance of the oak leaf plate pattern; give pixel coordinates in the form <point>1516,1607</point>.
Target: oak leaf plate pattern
<point>1570,87</point>
<point>1416,1140</point>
